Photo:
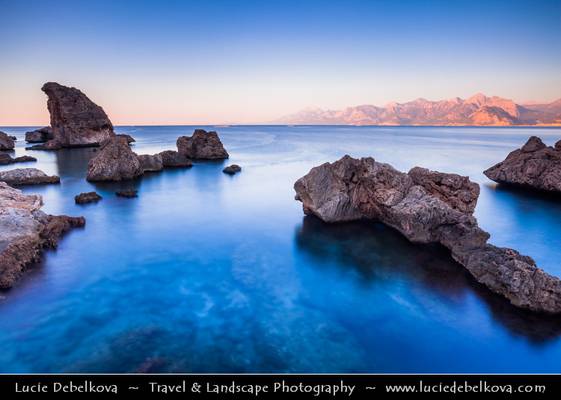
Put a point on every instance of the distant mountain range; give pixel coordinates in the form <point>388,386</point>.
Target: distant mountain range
<point>476,110</point>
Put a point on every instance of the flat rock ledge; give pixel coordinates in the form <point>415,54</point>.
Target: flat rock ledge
<point>27,176</point>
<point>202,145</point>
<point>427,207</point>
<point>26,232</point>
<point>6,159</point>
<point>534,166</point>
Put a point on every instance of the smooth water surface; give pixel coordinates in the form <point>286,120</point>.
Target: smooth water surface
<point>206,272</point>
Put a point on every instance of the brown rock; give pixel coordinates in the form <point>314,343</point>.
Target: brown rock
<point>352,189</point>
<point>89,197</point>
<point>39,135</point>
<point>173,159</point>
<point>202,145</point>
<point>26,232</point>
<point>75,120</point>
<point>129,138</point>
<point>151,163</point>
<point>27,176</point>
<point>232,169</point>
<point>535,166</point>
<point>114,162</point>
<point>7,159</point>
<point>6,142</point>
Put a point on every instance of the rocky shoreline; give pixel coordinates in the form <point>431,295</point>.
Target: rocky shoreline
<point>427,207</point>
<point>26,232</point>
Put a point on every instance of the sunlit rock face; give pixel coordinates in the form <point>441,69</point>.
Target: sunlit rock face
<point>115,161</point>
<point>202,145</point>
<point>76,121</point>
<point>534,165</point>
<point>427,207</point>
<point>25,231</point>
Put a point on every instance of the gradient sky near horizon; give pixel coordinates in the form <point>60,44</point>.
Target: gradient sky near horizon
<point>238,61</point>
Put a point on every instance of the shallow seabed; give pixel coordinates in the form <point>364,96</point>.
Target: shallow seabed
<point>207,272</point>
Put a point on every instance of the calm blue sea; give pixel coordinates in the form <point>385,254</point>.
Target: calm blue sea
<point>206,272</point>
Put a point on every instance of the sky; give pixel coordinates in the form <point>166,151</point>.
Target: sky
<point>238,61</point>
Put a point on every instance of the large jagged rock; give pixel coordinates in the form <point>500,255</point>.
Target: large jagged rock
<point>151,163</point>
<point>202,145</point>
<point>426,207</point>
<point>25,231</point>
<point>39,135</point>
<point>115,161</point>
<point>7,142</point>
<point>535,165</point>
<point>27,176</point>
<point>6,159</point>
<point>76,121</point>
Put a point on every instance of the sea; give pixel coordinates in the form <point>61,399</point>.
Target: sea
<point>206,272</point>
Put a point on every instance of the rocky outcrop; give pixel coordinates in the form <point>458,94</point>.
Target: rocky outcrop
<point>39,135</point>
<point>6,142</point>
<point>51,145</point>
<point>456,190</point>
<point>129,138</point>
<point>128,193</point>
<point>202,145</point>
<point>232,169</point>
<point>151,163</point>
<point>535,165</point>
<point>76,121</point>
<point>6,159</point>
<point>427,207</point>
<point>26,232</point>
<point>174,159</point>
<point>85,198</point>
<point>115,161</point>
<point>27,176</point>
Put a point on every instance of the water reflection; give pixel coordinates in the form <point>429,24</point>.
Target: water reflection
<point>377,252</point>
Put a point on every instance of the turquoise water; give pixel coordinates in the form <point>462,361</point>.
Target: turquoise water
<point>207,272</point>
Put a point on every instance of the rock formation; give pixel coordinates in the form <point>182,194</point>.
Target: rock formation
<point>202,145</point>
<point>85,198</point>
<point>6,159</point>
<point>39,135</point>
<point>75,120</point>
<point>27,176</point>
<point>6,142</point>
<point>427,207</point>
<point>114,162</point>
<point>151,163</point>
<point>129,138</point>
<point>535,165</point>
<point>174,159</point>
<point>232,169</point>
<point>26,231</point>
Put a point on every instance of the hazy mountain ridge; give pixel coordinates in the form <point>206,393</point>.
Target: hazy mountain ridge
<point>476,110</point>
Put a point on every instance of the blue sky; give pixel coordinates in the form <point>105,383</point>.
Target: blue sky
<point>253,61</point>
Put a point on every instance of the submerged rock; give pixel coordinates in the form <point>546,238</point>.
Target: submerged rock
<point>6,159</point>
<point>426,207</point>
<point>535,165</point>
<point>151,163</point>
<point>39,135</point>
<point>115,161</point>
<point>6,141</point>
<point>27,176</point>
<point>173,159</point>
<point>76,121</point>
<point>202,145</point>
<point>89,197</point>
<point>128,193</point>
<point>232,169</point>
<point>26,231</point>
